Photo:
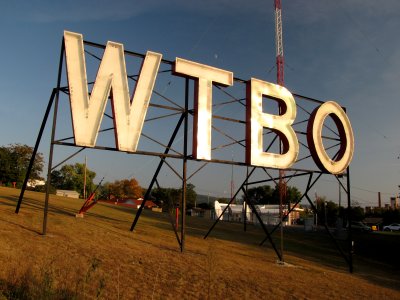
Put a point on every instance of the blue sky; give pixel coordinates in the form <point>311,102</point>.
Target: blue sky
<point>347,51</point>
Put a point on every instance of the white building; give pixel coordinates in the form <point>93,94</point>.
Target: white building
<point>269,214</point>
<point>234,212</point>
<point>35,182</point>
<point>67,193</point>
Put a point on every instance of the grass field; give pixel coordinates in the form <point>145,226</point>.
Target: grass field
<point>98,257</point>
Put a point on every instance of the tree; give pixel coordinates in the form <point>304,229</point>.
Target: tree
<point>357,213</point>
<point>71,177</point>
<point>205,205</point>
<point>126,188</point>
<point>375,212</point>
<point>191,196</point>
<point>14,162</point>
<point>327,211</point>
<point>391,216</point>
<point>292,194</point>
<point>103,192</point>
<point>167,198</point>
<point>5,166</point>
<point>260,194</point>
<point>266,195</point>
<point>57,179</point>
<point>172,197</point>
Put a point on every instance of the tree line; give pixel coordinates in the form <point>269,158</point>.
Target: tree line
<point>167,198</point>
<point>14,162</point>
<point>328,212</point>
<point>15,158</point>
<point>71,177</point>
<point>265,194</point>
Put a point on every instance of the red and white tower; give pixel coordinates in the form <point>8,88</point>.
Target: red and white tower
<point>279,43</point>
<point>280,81</point>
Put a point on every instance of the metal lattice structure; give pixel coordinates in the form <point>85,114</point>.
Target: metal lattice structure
<point>280,79</point>
<point>280,74</point>
<point>170,141</point>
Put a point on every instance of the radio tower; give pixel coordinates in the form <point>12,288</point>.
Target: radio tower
<point>279,43</point>
<point>280,81</point>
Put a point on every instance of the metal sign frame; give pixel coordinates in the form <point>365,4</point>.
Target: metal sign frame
<point>185,112</point>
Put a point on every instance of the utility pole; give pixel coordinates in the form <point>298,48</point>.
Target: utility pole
<point>84,179</point>
<point>316,212</point>
<point>339,222</point>
<point>379,200</point>
<point>232,183</point>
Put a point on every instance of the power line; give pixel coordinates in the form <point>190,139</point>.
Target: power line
<point>360,188</point>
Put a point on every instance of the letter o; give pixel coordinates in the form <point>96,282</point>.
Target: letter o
<point>315,143</point>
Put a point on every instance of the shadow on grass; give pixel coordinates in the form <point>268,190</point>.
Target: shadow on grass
<point>371,260</point>
<point>28,202</point>
<point>21,226</point>
<point>317,247</point>
<point>36,205</point>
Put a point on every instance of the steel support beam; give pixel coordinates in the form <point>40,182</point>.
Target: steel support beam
<point>35,149</point>
<point>154,179</point>
<point>249,202</point>
<point>184,171</point>
<point>53,133</point>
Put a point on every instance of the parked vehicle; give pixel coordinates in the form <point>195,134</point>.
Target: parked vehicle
<point>392,227</point>
<point>360,226</point>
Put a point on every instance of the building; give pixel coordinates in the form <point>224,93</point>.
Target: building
<point>35,182</point>
<point>269,214</point>
<point>67,193</point>
<point>394,203</point>
<point>135,203</point>
<point>233,213</point>
<point>199,212</point>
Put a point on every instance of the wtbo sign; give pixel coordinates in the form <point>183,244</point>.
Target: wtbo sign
<point>129,116</point>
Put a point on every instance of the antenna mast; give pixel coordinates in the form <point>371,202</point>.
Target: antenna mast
<point>279,43</point>
<point>280,81</point>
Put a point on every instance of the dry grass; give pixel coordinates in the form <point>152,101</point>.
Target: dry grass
<point>98,257</point>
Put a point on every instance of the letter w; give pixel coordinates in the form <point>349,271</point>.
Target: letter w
<point>111,79</point>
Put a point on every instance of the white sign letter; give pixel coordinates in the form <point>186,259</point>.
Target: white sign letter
<point>111,78</point>
<point>205,76</point>
<point>314,138</point>
<point>256,120</point>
